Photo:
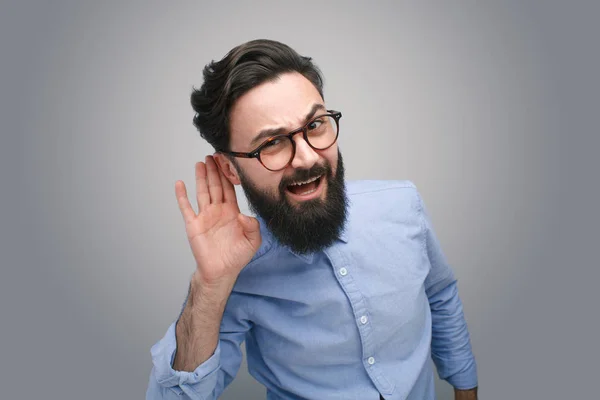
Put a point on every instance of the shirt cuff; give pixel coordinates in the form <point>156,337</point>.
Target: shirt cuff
<point>465,379</point>
<point>163,353</point>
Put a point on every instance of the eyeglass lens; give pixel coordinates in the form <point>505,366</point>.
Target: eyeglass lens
<point>321,133</point>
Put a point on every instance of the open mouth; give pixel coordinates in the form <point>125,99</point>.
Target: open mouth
<point>305,188</point>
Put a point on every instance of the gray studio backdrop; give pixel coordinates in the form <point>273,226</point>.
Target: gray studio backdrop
<point>490,108</point>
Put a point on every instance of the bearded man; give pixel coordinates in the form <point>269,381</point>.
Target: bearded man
<point>339,289</point>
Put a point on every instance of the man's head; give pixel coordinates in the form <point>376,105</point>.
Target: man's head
<point>263,89</point>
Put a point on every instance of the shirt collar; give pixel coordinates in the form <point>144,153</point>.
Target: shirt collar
<point>343,236</point>
<point>308,258</point>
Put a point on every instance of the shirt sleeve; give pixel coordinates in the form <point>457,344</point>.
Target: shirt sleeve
<point>450,342</point>
<point>210,378</point>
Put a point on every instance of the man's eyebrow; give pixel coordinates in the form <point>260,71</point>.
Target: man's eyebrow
<point>267,133</point>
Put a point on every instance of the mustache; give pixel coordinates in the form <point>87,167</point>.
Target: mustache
<point>304,175</point>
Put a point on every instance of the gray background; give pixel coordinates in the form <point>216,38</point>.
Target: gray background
<point>491,109</point>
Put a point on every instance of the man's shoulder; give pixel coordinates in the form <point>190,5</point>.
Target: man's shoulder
<point>362,187</point>
<point>375,199</point>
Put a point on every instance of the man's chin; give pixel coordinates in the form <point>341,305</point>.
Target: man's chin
<point>304,222</point>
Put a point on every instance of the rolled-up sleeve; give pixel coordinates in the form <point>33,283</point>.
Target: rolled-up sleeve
<point>166,383</point>
<point>450,342</point>
<point>210,378</point>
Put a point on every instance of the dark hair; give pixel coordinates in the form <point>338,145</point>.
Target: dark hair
<point>243,68</point>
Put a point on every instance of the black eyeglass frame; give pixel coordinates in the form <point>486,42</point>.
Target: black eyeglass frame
<point>336,115</point>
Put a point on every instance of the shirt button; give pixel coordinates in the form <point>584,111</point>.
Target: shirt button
<point>363,319</point>
<point>371,361</point>
<point>343,271</point>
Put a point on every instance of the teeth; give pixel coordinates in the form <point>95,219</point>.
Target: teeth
<point>305,182</point>
<point>307,192</point>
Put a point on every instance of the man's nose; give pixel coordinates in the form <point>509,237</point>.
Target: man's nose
<point>305,156</point>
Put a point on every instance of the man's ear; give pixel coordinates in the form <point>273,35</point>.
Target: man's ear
<point>226,166</point>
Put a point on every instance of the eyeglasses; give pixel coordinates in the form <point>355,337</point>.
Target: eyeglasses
<point>277,152</point>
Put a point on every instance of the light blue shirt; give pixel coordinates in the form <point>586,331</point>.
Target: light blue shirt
<point>361,318</point>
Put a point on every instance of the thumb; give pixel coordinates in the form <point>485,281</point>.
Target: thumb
<point>251,227</point>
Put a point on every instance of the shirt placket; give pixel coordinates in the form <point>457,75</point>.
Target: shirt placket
<point>344,273</point>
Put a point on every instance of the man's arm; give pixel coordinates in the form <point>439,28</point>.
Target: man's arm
<point>197,330</point>
<point>450,342</point>
<point>223,242</point>
<point>205,379</point>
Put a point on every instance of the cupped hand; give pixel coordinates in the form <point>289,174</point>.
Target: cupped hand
<point>222,239</point>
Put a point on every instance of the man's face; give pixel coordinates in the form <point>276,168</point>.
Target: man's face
<point>304,217</point>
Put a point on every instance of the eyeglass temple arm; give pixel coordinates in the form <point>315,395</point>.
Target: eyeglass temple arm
<point>238,154</point>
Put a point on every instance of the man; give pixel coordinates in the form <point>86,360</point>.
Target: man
<point>339,289</point>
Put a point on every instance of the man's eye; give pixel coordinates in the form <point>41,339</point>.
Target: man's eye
<point>273,142</point>
<point>315,124</point>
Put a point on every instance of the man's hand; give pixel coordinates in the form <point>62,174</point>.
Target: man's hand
<point>470,394</point>
<point>223,240</point>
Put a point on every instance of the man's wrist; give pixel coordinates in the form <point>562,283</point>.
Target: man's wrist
<point>468,394</point>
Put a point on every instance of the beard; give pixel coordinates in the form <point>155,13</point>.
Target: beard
<point>311,225</point>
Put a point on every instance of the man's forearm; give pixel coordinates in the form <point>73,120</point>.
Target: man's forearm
<point>197,330</point>
<point>470,394</point>
<point>450,342</point>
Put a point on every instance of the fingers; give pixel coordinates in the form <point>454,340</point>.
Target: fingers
<point>211,185</point>
<point>215,188</point>
<point>184,204</point>
<point>229,195</point>
<point>202,194</point>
